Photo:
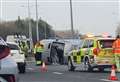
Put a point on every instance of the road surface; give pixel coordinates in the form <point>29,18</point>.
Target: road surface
<point>59,73</point>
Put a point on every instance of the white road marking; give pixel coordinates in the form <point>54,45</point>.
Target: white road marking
<point>108,80</point>
<point>58,73</point>
<point>30,69</point>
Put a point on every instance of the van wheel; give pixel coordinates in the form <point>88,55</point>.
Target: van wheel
<point>22,67</point>
<point>87,66</point>
<point>70,65</point>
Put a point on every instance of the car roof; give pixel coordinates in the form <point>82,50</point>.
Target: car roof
<point>12,43</point>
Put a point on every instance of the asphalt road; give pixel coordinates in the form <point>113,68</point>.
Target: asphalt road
<point>59,73</point>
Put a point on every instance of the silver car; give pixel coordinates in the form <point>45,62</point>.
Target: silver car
<point>8,67</point>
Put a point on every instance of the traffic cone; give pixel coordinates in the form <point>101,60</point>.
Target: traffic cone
<point>113,76</point>
<point>43,67</point>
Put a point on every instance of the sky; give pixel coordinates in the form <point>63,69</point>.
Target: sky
<point>89,16</point>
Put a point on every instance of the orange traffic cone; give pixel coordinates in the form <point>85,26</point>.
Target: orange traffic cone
<point>113,76</point>
<point>43,67</point>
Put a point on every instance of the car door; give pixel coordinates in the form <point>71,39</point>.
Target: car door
<point>84,48</point>
<point>90,47</point>
<point>57,50</point>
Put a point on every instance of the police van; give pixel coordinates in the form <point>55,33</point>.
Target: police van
<point>95,52</point>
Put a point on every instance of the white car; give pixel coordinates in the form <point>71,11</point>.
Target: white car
<point>18,56</point>
<point>8,67</point>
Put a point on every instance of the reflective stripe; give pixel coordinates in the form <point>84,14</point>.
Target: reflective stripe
<point>76,57</point>
<point>116,51</point>
<point>38,62</point>
<point>38,49</point>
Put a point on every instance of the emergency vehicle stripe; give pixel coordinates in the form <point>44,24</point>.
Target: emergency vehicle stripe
<point>76,57</point>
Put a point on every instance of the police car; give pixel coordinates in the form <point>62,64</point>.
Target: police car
<point>95,52</point>
<point>8,67</point>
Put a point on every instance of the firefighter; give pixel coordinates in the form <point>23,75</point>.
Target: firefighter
<point>116,52</point>
<point>38,50</point>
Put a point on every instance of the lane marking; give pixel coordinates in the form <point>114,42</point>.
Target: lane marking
<point>30,69</point>
<point>58,73</point>
<point>108,80</point>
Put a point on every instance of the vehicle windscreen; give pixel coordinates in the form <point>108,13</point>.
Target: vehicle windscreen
<point>13,47</point>
<point>106,43</point>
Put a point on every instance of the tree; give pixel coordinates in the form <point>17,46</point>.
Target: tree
<point>20,26</point>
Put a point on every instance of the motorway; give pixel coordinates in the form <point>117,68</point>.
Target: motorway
<point>59,73</point>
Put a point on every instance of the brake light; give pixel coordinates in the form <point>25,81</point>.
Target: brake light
<point>11,78</point>
<point>4,53</point>
<point>96,51</point>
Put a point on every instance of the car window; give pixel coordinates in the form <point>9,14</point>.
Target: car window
<point>90,43</point>
<point>106,43</point>
<point>13,47</point>
<point>85,45</point>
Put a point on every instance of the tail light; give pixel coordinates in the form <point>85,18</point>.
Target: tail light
<point>4,52</point>
<point>11,78</point>
<point>96,51</point>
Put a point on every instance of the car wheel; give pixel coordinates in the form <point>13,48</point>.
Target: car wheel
<point>87,66</point>
<point>70,65</point>
<point>22,67</point>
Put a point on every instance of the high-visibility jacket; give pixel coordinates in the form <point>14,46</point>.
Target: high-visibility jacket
<point>116,46</point>
<point>38,49</point>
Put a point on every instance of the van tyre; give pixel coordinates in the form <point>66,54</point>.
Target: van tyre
<point>22,67</point>
<point>87,66</point>
<point>70,65</point>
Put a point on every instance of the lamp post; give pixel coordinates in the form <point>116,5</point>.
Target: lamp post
<point>37,30</point>
<point>71,15</point>
<point>30,27</point>
<point>45,29</point>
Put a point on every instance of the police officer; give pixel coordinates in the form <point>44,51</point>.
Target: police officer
<point>38,50</point>
<point>116,51</point>
<point>24,48</point>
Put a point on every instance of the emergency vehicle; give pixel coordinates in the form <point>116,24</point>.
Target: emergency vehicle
<point>95,52</point>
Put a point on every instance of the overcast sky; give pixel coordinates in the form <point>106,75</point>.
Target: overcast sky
<point>95,16</point>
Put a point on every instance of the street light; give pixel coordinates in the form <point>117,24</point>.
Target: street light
<point>45,29</point>
<point>71,15</point>
<point>37,30</point>
<point>30,28</point>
